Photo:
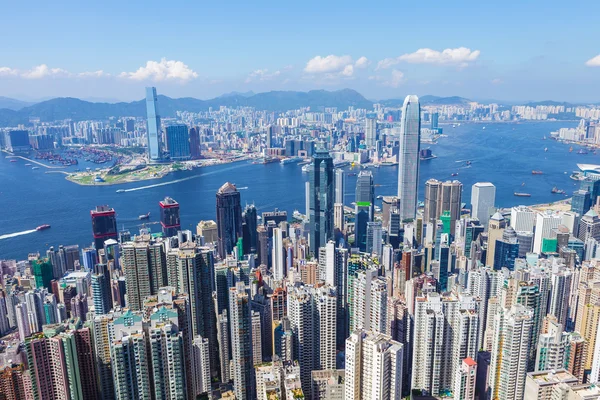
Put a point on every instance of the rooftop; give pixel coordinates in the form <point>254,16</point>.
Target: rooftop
<point>228,187</point>
<point>551,377</point>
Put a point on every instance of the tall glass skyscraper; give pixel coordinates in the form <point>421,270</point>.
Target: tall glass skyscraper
<point>178,142</point>
<point>229,218</point>
<point>321,199</point>
<point>153,127</point>
<point>408,158</point>
<point>365,207</point>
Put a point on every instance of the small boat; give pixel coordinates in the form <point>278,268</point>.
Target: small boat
<point>28,165</point>
<point>468,162</point>
<point>536,172</point>
<point>544,138</point>
<point>571,149</point>
<point>121,191</point>
<point>35,167</point>
<point>483,128</point>
<point>42,227</point>
<point>145,216</point>
<point>523,184</point>
<point>546,149</point>
<point>380,197</point>
<point>582,151</point>
<point>13,160</point>
<point>522,194</point>
<point>556,190</point>
<point>454,174</point>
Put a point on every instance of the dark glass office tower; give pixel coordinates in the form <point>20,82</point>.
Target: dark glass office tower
<point>169,217</point>
<point>104,225</point>
<point>250,234</point>
<point>195,143</point>
<point>581,202</point>
<point>507,250</point>
<point>229,218</point>
<point>321,185</point>
<point>365,208</point>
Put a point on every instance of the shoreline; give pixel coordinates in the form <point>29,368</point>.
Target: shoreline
<point>162,171</point>
<point>12,155</point>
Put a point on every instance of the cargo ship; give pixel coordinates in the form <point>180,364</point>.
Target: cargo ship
<point>340,163</point>
<point>556,190</point>
<point>291,160</point>
<point>144,216</point>
<point>535,172</point>
<point>268,160</point>
<point>42,227</point>
<point>522,194</point>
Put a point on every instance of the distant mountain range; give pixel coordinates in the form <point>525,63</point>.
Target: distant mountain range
<point>13,104</point>
<point>14,112</point>
<point>427,100</point>
<point>76,109</point>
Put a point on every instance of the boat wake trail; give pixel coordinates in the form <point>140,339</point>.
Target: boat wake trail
<point>182,179</point>
<point>11,235</point>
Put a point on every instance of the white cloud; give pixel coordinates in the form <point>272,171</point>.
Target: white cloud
<point>387,63</point>
<point>262,75</point>
<point>93,74</point>
<point>593,62</point>
<point>362,62</point>
<point>396,79</point>
<point>328,64</point>
<point>6,71</point>
<point>348,70</point>
<point>43,71</point>
<point>37,72</point>
<point>161,71</point>
<point>460,56</point>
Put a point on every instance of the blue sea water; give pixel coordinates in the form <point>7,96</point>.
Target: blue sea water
<point>503,153</point>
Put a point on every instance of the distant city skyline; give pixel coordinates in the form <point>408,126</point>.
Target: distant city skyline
<point>470,51</point>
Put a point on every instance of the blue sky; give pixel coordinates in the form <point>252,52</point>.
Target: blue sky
<point>514,50</point>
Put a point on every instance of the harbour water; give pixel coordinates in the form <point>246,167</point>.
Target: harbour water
<point>503,153</point>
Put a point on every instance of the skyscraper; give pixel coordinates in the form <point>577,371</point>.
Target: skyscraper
<point>364,208</point>
<point>371,130</point>
<point>511,345</point>
<point>249,226</point>
<point>483,198</point>
<point>408,158</point>
<point>195,270</point>
<point>229,218</point>
<point>373,367</point>
<point>506,250</point>
<point>169,216</point>
<point>195,143</point>
<point>446,332</point>
<point>241,343</point>
<point>312,314</point>
<point>321,192</point>
<point>101,290</point>
<point>104,225</point>
<point>269,137</point>
<point>340,183</point>
<point>178,142</point>
<point>441,197</point>
<point>153,126</point>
